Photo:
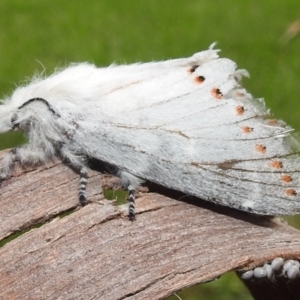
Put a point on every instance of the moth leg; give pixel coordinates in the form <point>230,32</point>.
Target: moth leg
<point>131,200</point>
<point>130,182</point>
<point>82,187</point>
<point>7,165</point>
<point>22,155</point>
<point>77,163</point>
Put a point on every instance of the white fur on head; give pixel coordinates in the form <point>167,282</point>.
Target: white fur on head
<point>6,114</point>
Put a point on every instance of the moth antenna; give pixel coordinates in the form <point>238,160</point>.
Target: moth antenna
<point>8,164</point>
<point>41,100</point>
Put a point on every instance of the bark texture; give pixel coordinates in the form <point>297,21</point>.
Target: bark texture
<point>95,252</point>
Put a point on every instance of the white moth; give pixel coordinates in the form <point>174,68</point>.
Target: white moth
<point>186,124</point>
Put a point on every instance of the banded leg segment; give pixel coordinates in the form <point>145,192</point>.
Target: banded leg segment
<point>130,183</point>
<point>77,164</point>
<point>82,187</point>
<point>131,200</point>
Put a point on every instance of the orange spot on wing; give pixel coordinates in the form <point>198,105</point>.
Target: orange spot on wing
<point>260,148</point>
<point>199,79</point>
<point>247,129</point>
<point>290,192</point>
<point>286,178</point>
<point>272,122</point>
<point>193,68</point>
<point>240,94</point>
<point>216,93</point>
<point>240,110</point>
<point>195,164</point>
<point>276,164</point>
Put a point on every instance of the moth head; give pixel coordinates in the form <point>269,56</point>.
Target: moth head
<point>14,118</point>
<point>7,113</point>
<point>9,109</point>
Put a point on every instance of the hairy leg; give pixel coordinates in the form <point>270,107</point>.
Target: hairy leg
<point>82,187</point>
<point>23,155</point>
<point>130,182</point>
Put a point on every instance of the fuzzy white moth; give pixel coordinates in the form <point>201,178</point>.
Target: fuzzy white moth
<point>186,124</point>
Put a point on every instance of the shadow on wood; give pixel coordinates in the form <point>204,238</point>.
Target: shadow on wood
<point>95,252</point>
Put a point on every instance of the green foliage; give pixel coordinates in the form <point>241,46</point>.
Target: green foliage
<point>38,36</point>
<point>228,287</point>
<point>119,197</point>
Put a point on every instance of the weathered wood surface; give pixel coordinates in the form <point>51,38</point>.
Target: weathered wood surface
<point>96,253</point>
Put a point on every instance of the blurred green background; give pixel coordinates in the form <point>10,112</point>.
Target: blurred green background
<point>261,36</point>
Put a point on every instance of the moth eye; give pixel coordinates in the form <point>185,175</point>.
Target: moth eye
<point>14,122</point>
<point>14,119</point>
<point>260,148</point>
<point>199,79</point>
<point>240,110</point>
<point>290,192</point>
<point>286,178</point>
<point>216,93</point>
<point>193,68</point>
<point>276,164</point>
<point>247,129</point>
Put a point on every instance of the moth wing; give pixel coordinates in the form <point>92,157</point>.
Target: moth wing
<point>189,125</point>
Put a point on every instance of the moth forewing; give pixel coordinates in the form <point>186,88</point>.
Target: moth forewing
<point>186,124</point>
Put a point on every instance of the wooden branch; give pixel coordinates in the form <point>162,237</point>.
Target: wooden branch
<point>95,252</point>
